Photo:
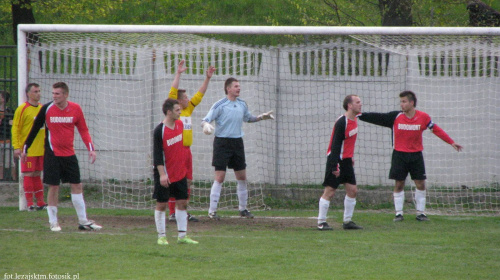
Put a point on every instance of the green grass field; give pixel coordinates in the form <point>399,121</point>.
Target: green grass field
<point>274,245</point>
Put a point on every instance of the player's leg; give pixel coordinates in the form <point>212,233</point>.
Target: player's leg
<point>29,190</point>
<point>37,183</point>
<point>189,166</point>
<point>349,205</point>
<point>71,174</point>
<point>215,191</point>
<point>53,200</point>
<point>161,194</point>
<point>220,159</point>
<point>417,173</point>
<point>179,190</point>
<point>51,171</point>
<point>324,205</point>
<point>399,172</point>
<point>238,163</point>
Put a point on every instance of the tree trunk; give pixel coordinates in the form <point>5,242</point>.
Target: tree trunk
<point>21,13</point>
<point>396,12</point>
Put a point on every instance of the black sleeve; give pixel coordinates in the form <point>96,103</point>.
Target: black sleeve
<point>37,125</point>
<point>382,119</point>
<point>158,158</point>
<point>338,138</point>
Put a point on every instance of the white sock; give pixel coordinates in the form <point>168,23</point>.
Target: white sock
<point>182,222</point>
<point>323,210</point>
<point>214,196</point>
<point>420,197</point>
<point>160,223</point>
<point>79,205</point>
<point>242,194</point>
<point>399,200</point>
<point>52,211</point>
<point>349,204</point>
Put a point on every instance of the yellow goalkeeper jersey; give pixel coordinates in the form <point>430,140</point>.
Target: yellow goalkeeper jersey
<point>24,117</point>
<point>187,133</point>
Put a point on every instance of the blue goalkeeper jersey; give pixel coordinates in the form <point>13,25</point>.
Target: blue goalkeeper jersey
<point>229,116</point>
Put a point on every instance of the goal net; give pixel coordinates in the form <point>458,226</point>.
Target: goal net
<point>120,75</point>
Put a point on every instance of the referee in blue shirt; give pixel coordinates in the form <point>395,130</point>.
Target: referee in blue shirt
<point>229,114</point>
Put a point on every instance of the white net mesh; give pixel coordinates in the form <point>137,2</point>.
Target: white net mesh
<point>121,80</point>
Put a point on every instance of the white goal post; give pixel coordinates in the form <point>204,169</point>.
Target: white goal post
<point>120,74</point>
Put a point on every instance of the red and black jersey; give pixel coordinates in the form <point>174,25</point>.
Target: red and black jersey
<point>406,132</point>
<point>342,141</point>
<point>60,128</point>
<point>169,151</point>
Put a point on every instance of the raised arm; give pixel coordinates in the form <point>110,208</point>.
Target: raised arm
<point>175,83</point>
<point>204,86</point>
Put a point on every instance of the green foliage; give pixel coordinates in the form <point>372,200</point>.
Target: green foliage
<point>236,12</point>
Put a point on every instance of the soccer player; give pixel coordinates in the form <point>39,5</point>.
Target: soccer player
<point>187,107</point>
<point>229,114</point>
<point>170,171</point>
<point>31,168</point>
<point>60,117</point>
<point>340,165</point>
<point>407,127</point>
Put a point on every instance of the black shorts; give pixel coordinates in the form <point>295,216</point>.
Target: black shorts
<point>404,163</point>
<point>230,153</point>
<point>346,174</point>
<point>177,190</point>
<point>60,169</point>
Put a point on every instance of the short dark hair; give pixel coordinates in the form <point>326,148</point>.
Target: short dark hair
<point>5,95</point>
<point>410,95</point>
<point>180,92</point>
<point>30,85</point>
<point>228,82</point>
<point>168,105</point>
<point>61,85</point>
<point>348,100</point>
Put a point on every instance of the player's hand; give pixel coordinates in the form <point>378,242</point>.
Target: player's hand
<point>180,67</point>
<point>210,71</point>
<point>164,181</point>
<point>207,128</point>
<point>17,153</point>
<point>457,147</point>
<point>92,156</point>
<point>336,173</point>
<point>266,116</point>
<point>23,157</point>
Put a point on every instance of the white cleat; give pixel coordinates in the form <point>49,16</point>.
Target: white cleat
<point>55,227</point>
<point>90,225</point>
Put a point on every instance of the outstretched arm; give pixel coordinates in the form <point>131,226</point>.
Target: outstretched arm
<point>382,119</point>
<point>439,132</point>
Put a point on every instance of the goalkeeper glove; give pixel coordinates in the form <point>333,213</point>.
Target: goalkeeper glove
<point>207,128</point>
<point>266,116</point>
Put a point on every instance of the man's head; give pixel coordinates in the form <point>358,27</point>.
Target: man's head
<point>5,96</point>
<point>182,98</point>
<point>352,102</point>
<point>60,92</point>
<point>171,108</point>
<point>232,86</point>
<point>33,92</point>
<point>407,100</point>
